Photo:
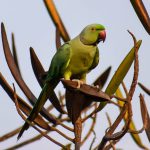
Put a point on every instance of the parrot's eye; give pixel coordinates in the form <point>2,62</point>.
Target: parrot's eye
<point>93,29</point>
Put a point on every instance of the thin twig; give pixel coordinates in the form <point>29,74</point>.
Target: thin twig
<point>95,110</point>
<point>59,121</point>
<point>77,133</point>
<point>137,131</point>
<point>89,107</point>
<point>38,137</point>
<point>93,140</point>
<point>49,108</point>
<point>65,119</point>
<point>125,88</point>
<point>91,128</point>
<point>62,134</point>
<point>90,115</point>
<point>109,120</point>
<point>109,146</point>
<point>119,98</point>
<point>114,103</point>
<point>112,145</point>
<point>63,125</point>
<point>110,123</point>
<point>10,134</point>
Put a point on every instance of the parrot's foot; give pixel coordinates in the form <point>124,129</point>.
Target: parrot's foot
<point>96,87</point>
<point>80,82</point>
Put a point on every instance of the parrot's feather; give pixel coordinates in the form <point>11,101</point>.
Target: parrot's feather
<point>59,62</point>
<point>37,107</point>
<point>95,60</point>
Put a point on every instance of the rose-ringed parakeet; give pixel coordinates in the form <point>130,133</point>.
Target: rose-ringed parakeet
<point>73,60</point>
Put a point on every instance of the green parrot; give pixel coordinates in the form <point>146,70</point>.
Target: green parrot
<point>73,60</point>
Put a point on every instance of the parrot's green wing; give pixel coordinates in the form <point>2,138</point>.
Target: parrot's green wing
<point>59,62</point>
<point>95,60</point>
<point>58,65</point>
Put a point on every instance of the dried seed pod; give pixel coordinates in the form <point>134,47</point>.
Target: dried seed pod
<point>141,13</point>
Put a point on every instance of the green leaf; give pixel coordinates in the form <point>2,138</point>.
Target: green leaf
<point>120,74</point>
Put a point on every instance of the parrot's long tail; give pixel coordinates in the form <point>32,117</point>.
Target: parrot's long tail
<point>37,107</point>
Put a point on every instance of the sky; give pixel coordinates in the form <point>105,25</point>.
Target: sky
<point>32,26</point>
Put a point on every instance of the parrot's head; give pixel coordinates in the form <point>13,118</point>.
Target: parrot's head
<point>93,34</point>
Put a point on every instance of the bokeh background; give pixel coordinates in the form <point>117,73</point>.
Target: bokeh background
<point>30,22</point>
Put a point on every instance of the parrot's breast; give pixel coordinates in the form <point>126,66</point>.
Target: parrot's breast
<point>82,57</point>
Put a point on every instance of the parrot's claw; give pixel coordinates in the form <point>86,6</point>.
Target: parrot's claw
<point>80,82</point>
<point>96,87</point>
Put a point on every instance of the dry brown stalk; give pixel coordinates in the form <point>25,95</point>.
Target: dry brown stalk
<point>10,134</point>
<point>91,128</point>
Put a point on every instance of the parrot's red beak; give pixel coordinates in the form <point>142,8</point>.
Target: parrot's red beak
<point>102,35</point>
